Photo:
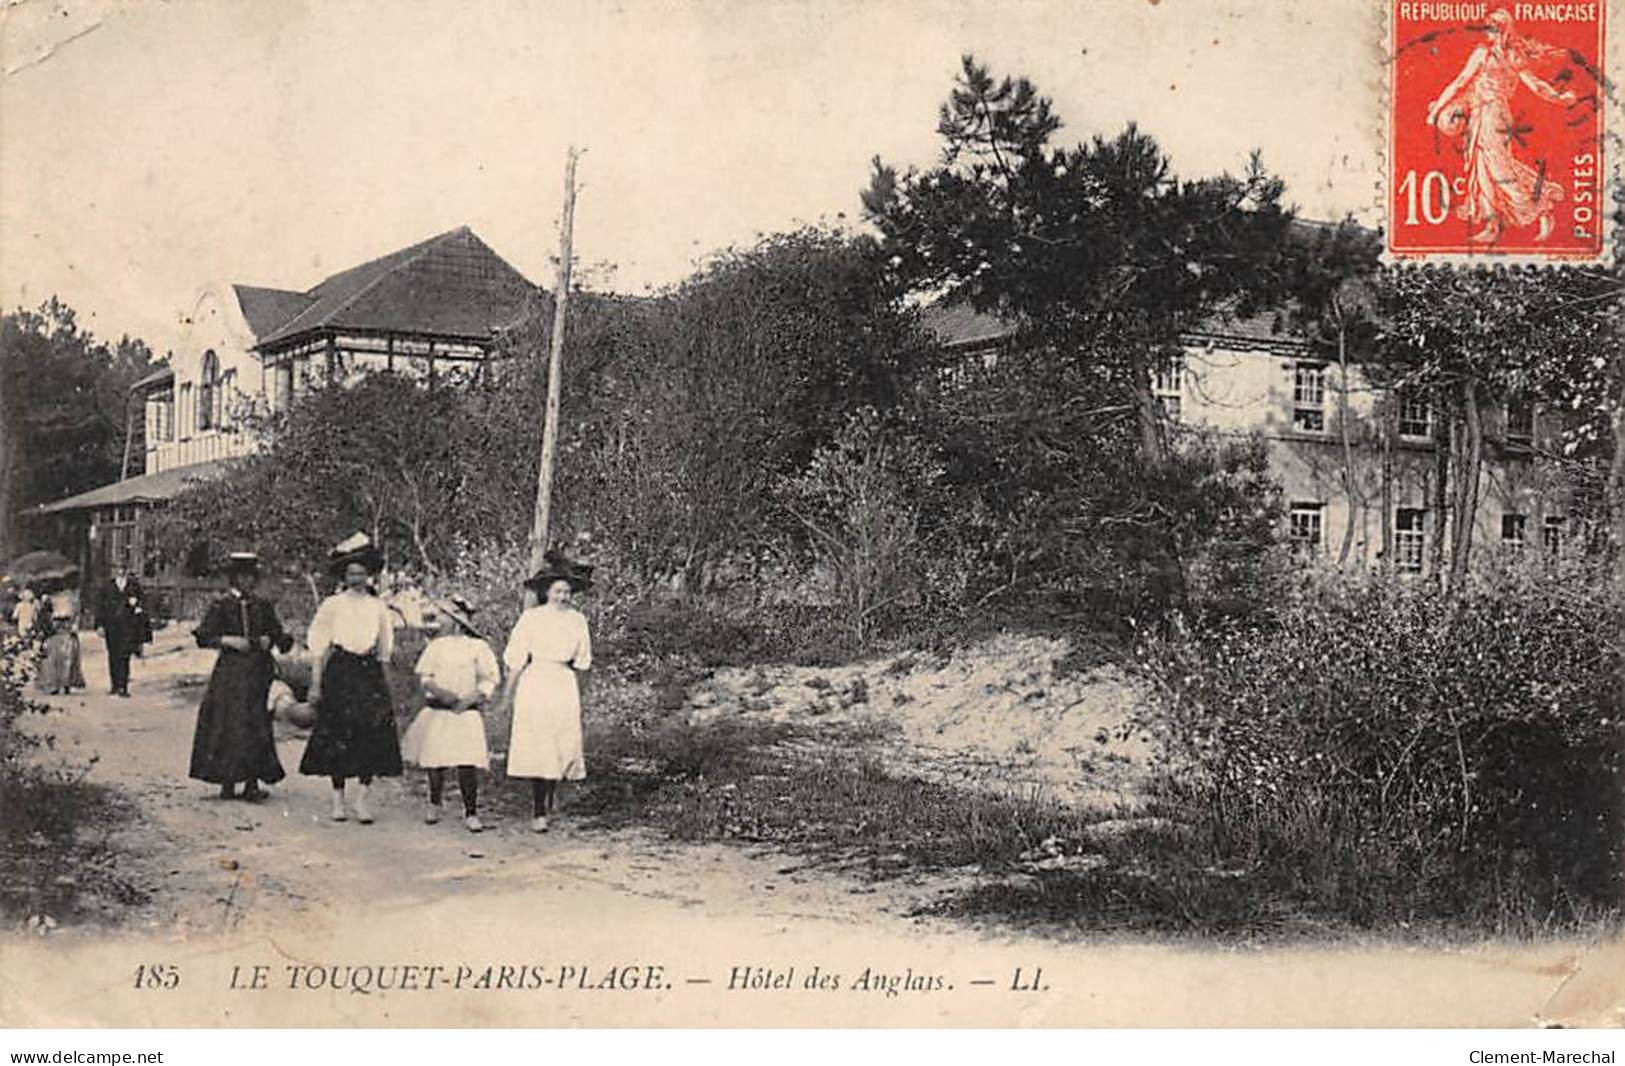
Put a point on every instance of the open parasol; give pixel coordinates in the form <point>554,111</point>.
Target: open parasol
<point>41,566</point>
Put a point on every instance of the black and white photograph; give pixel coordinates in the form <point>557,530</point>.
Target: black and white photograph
<point>815,514</point>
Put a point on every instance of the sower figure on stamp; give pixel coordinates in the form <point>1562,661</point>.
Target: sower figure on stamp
<point>549,646</point>
<point>233,741</point>
<point>1502,190</point>
<point>121,615</point>
<point>351,639</point>
<point>459,672</point>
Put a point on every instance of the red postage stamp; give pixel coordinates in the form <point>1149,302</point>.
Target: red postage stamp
<point>1496,130</point>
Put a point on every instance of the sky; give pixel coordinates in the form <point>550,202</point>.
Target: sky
<point>150,147</point>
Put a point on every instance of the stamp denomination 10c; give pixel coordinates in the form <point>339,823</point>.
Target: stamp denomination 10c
<point>1496,131</point>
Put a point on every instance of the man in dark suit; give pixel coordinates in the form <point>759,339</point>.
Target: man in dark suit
<point>121,615</point>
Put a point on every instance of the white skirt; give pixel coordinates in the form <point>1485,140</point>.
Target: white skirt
<point>439,737</point>
<point>546,737</point>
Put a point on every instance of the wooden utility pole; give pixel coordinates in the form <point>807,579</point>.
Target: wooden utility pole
<point>550,427</point>
<point>129,432</point>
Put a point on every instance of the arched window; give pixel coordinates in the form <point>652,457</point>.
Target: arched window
<point>228,396</point>
<point>208,393</point>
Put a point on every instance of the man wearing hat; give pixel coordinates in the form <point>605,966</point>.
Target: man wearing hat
<point>233,740</point>
<point>121,615</point>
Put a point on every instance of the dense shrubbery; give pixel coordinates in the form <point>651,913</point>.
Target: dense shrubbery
<point>777,430</point>
<point>1057,525</point>
<point>862,507</point>
<point>1407,753</point>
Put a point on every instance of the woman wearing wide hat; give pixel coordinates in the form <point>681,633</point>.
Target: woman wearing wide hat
<point>351,639</point>
<point>233,740</point>
<point>548,647</point>
<point>458,672</point>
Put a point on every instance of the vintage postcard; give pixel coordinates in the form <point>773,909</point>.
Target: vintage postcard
<point>932,513</point>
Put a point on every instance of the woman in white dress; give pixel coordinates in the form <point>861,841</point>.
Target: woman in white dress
<point>549,645</point>
<point>351,638</point>
<point>459,672</point>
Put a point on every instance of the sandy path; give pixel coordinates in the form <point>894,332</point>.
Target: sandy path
<point>219,866</point>
<point>277,885</point>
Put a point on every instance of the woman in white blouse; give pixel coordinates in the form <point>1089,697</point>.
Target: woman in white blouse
<point>351,638</point>
<point>549,646</point>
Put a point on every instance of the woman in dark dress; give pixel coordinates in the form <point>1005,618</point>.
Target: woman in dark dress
<point>233,741</point>
<point>351,638</point>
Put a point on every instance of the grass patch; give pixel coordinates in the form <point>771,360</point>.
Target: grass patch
<point>58,864</point>
<point>754,782</point>
<point>852,813</point>
<point>1151,885</point>
<point>1176,872</point>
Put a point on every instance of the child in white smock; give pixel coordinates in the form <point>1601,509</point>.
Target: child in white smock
<point>459,673</point>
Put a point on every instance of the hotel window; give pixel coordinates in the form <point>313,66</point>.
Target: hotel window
<point>1168,385</point>
<point>197,559</point>
<point>1410,538</point>
<point>1551,534</point>
<point>1309,397</point>
<point>228,398</point>
<point>185,404</point>
<point>341,366</point>
<point>1415,415</point>
<point>1512,530</point>
<point>282,385</point>
<point>208,392</point>
<point>1520,423</point>
<point>1304,524</point>
<point>118,533</point>
<point>160,418</point>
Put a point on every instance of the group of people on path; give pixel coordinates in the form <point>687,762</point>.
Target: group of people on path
<point>52,618</point>
<point>354,736</point>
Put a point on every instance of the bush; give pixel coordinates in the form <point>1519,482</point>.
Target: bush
<point>19,658</point>
<point>1409,754</point>
<point>861,503</point>
<point>1058,518</point>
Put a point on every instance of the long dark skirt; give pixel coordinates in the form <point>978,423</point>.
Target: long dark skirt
<point>233,740</point>
<point>354,735</point>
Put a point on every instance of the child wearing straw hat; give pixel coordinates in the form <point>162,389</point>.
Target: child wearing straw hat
<point>459,672</point>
